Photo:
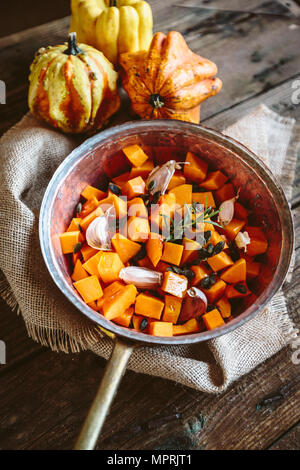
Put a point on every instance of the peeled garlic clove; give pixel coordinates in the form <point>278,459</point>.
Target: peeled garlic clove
<point>194,304</point>
<point>141,277</point>
<point>242,240</point>
<point>97,234</point>
<point>160,177</point>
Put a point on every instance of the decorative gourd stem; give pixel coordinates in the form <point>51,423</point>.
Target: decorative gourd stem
<point>156,101</point>
<point>73,48</point>
<point>113,3</point>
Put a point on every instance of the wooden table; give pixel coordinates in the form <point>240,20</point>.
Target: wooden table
<point>44,396</point>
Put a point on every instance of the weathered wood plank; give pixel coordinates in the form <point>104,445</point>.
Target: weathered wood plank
<point>290,441</point>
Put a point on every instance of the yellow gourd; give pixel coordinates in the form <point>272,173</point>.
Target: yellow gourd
<point>113,26</point>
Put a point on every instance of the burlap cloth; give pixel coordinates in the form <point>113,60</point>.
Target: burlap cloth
<point>29,154</point>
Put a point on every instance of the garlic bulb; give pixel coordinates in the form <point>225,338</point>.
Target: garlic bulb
<point>97,234</point>
<point>194,304</point>
<point>141,277</point>
<point>160,177</point>
<point>242,240</point>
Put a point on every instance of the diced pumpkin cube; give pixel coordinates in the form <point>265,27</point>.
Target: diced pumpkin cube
<point>225,193</point>
<point>213,319</point>
<point>89,288</point>
<point>91,265</point>
<point>219,261</point>
<point>93,305</point>
<point>89,206</point>
<point>137,208</point>
<point>201,271</point>
<point>75,257</point>
<point>68,241</point>
<point>87,252</point>
<point>172,309</point>
<point>195,169</point>
<point>183,194</point>
<point>109,267</point>
<point>74,225</point>
<point>160,215</point>
<point>233,228</point>
<point>149,306</point>
<point>135,155</point>
<point>121,179</point>
<point>137,320</point>
<point>142,170</point>
<point>119,204</point>
<point>79,273</point>
<point>258,242</point>
<point>176,180</point>
<point>191,326</point>
<point>216,238</point>
<point>125,248</point>
<point>224,306</point>
<point>206,199</point>
<point>190,250</point>
<point>86,221</point>
<point>252,269</point>
<point>236,272</point>
<point>237,290</point>
<point>172,253</point>
<point>138,229</point>
<point>134,187</point>
<point>112,289</point>
<point>214,180</point>
<point>174,284</point>
<point>240,212</point>
<point>145,263</point>
<point>161,328</point>
<point>116,305</point>
<point>215,292</point>
<point>162,267</point>
<point>90,191</point>
<point>154,248</point>
<point>125,318</point>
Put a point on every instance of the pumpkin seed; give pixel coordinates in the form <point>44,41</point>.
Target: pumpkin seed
<point>143,324</point>
<point>240,288</point>
<point>156,197</point>
<point>80,228</point>
<point>188,273</point>
<point>78,208</point>
<point>218,248</point>
<point>114,189</point>
<point>210,308</point>
<point>152,185</point>
<point>202,254</point>
<point>77,247</point>
<point>140,255</point>
<point>207,235</point>
<point>205,283</point>
<point>212,279</point>
<point>210,249</point>
<point>234,251</point>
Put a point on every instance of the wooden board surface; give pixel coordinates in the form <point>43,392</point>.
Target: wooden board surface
<point>44,396</point>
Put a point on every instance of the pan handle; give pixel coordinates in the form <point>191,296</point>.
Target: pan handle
<point>114,371</point>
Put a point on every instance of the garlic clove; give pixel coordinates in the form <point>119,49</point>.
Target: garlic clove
<point>242,240</point>
<point>143,278</point>
<point>194,304</point>
<point>97,234</point>
<point>160,176</point>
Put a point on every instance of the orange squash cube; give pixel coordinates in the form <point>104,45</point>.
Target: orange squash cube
<point>183,194</point>
<point>121,179</point>
<point>137,208</point>
<point>206,199</point>
<point>162,267</point>
<point>233,228</point>
<point>87,252</point>
<point>149,306</point>
<point>252,269</point>
<point>135,155</point>
<point>201,271</point>
<point>89,288</point>
<point>215,180</point>
<point>90,191</point>
<point>89,206</point>
<point>125,248</point>
<point>215,292</point>
<point>138,229</point>
<point>125,318</point>
<point>219,261</point>
<point>112,289</point>
<point>154,248</point>
<point>190,250</point>
<point>119,204</point>
<point>232,291</point>
<point>145,263</point>
<point>172,253</point>
<point>109,267</point>
<point>236,272</point>
<point>79,273</point>
<point>142,170</point>
<point>224,306</point>
<point>68,241</point>
<point>75,226</point>
<point>172,309</point>
<point>176,180</point>
<point>191,326</point>
<point>240,212</point>
<point>134,187</point>
<point>225,193</point>
<point>216,238</point>
<point>196,170</point>
<point>174,284</point>
<point>91,265</point>
<point>86,221</point>
<point>161,328</point>
<point>258,242</point>
<point>213,319</point>
<point>116,305</point>
<point>93,305</point>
